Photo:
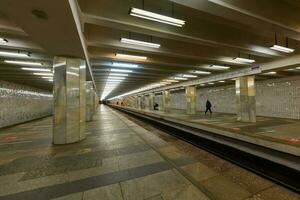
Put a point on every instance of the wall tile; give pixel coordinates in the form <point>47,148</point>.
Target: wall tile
<point>19,103</point>
<point>274,98</point>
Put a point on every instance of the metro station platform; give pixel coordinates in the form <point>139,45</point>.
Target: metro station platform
<point>275,134</point>
<point>120,159</point>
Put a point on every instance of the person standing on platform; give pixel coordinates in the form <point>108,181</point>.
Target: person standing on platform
<point>208,107</point>
<point>156,106</point>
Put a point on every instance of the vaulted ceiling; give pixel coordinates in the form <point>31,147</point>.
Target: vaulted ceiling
<point>216,31</point>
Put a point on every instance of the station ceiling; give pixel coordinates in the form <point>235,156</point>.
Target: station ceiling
<point>215,32</point>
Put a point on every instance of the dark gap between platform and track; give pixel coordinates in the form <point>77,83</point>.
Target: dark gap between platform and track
<point>287,177</point>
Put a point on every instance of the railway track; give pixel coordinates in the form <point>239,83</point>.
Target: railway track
<point>278,173</point>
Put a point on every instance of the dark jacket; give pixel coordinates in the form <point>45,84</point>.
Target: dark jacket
<point>208,104</point>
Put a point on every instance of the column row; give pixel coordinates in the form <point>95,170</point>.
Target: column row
<point>245,100</point>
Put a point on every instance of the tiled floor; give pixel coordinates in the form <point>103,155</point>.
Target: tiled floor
<point>279,130</point>
<point>121,158</point>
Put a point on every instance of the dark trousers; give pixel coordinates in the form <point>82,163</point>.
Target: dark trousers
<point>208,109</point>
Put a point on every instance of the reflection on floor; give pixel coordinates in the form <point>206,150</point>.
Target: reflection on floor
<point>120,160</point>
<point>274,129</point>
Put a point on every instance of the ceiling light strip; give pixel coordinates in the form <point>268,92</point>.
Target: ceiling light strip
<point>23,62</point>
<point>156,17</point>
<point>140,43</point>
<point>130,57</point>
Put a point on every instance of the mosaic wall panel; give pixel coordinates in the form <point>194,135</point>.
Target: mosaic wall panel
<point>274,98</point>
<point>178,99</point>
<point>222,98</point>
<point>19,103</point>
<point>278,98</point>
<point>158,100</point>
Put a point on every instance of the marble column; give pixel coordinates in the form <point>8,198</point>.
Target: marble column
<point>245,99</point>
<point>151,101</point>
<point>146,102</point>
<point>190,93</point>
<point>69,100</point>
<point>90,101</point>
<point>139,103</point>
<point>166,101</point>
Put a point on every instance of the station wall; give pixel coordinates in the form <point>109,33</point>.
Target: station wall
<point>19,103</point>
<point>274,98</point>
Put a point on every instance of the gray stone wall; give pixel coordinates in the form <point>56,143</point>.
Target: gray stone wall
<point>158,100</point>
<point>279,97</point>
<point>222,98</point>
<point>274,98</point>
<point>19,103</point>
<point>178,99</point>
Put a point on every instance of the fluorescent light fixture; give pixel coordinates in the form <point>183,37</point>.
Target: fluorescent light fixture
<point>297,67</point>
<point>73,73</point>
<point>288,70</point>
<point>180,78</point>
<point>171,81</point>
<point>3,40</point>
<point>140,43</point>
<point>200,72</point>
<point>125,65</point>
<point>117,74</point>
<point>13,54</point>
<point>156,17</point>
<point>43,74</point>
<point>115,78</point>
<point>221,81</point>
<point>202,84</point>
<point>165,83</point>
<point>219,67</point>
<point>270,73</point>
<point>47,77</point>
<point>211,83</point>
<point>243,60</point>
<point>189,76</point>
<point>36,69</point>
<point>23,62</point>
<point>121,70</point>
<point>130,57</point>
<point>282,49</point>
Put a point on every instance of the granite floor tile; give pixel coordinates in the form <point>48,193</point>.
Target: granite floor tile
<point>224,189</point>
<point>74,196</point>
<point>187,192</point>
<point>250,181</point>
<point>139,159</point>
<point>120,159</point>
<point>199,171</point>
<point>156,197</point>
<point>151,185</point>
<point>109,192</point>
<point>171,152</point>
<point>276,193</point>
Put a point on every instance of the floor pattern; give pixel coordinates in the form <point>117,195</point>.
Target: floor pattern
<point>121,159</point>
<point>268,128</point>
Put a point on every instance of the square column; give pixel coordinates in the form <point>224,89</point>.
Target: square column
<point>166,101</point>
<point>146,102</point>
<point>245,99</point>
<point>151,101</point>
<point>143,100</point>
<point>139,103</point>
<point>190,93</point>
<point>69,100</point>
<point>90,101</point>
